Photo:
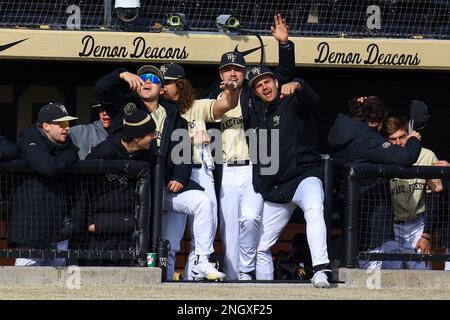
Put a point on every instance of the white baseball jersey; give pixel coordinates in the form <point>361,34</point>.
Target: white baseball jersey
<point>408,195</point>
<point>200,112</point>
<point>234,144</point>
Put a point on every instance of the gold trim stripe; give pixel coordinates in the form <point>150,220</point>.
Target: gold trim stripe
<point>137,124</point>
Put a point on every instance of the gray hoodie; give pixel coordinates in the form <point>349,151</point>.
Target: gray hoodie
<point>86,136</point>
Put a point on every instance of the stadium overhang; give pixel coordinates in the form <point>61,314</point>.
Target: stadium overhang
<point>206,48</point>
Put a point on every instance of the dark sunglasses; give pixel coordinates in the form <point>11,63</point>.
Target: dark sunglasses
<point>149,76</point>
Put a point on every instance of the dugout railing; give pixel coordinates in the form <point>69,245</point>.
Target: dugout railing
<point>113,195</point>
<point>368,219</point>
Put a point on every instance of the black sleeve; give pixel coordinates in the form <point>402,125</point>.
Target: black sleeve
<point>111,92</point>
<point>389,153</point>
<point>8,150</point>
<point>180,172</point>
<point>37,155</point>
<point>285,70</point>
<point>104,150</point>
<point>308,98</point>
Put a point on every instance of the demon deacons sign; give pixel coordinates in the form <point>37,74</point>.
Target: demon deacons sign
<point>140,49</point>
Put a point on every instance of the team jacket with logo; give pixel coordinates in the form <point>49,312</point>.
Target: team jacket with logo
<point>294,118</point>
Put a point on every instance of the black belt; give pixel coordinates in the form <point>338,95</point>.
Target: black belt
<point>197,166</point>
<point>238,163</point>
<point>420,215</point>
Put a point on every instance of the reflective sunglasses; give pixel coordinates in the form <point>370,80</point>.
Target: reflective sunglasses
<point>149,76</point>
<point>62,124</point>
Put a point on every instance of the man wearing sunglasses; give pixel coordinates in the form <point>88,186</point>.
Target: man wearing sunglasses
<point>181,194</point>
<point>46,148</point>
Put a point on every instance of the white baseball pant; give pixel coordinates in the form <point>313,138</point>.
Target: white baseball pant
<point>58,262</point>
<point>174,224</point>
<point>240,218</point>
<point>387,247</point>
<point>309,197</point>
<point>407,235</point>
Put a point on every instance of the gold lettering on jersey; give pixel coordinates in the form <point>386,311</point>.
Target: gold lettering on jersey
<point>232,122</point>
<point>406,189</point>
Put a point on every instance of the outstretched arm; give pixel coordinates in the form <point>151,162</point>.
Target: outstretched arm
<point>229,101</point>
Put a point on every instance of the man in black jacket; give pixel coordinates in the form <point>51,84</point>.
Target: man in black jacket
<point>355,138</point>
<point>40,207</point>
<point>182,194</point>
<point>240,206</point>
<point>289,113</point>
<point>110,223</point>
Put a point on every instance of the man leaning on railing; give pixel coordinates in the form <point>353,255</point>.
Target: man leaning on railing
<point>39,206</point>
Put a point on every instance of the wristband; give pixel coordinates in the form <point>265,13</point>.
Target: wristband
<point>427,238</point>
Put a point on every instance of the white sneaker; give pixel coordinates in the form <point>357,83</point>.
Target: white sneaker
<point>244,277</point>
<point>205,270</point>
<point>320,279</point>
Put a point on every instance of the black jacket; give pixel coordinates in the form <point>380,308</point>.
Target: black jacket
<point>44,156</point>
<point>294,117</point>
<point>114,94</point>
<point>8,150</point>
<point>354,141</point>
<point>114,220</point>
<point>40,206</point>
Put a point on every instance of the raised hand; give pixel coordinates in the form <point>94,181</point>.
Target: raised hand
<point>134,81</point>
<point>415,134</point>
<point>280,29</point>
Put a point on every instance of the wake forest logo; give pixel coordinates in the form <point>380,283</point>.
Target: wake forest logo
<point>140,49</point>
<point>129,108</point>
<point>276,120</point>
<point>163,70</point>
<point>231,57</point>
<point>255,71</point>
<point>373,56</point>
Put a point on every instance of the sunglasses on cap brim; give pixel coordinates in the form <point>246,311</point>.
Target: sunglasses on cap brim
<point>151,77</point>
<point>62,124</point>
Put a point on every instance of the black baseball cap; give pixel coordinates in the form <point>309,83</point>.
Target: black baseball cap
<point>256,72</point>
<point>172,71</point>
<point>152,70</point>
<point>232,58</point>
<point>54,112</point>
<point>138,124</point>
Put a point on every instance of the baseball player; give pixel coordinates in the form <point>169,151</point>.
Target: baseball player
<point>240,206</point>
<point>408,200</point>
<point>196,112</point>
<point>290,112</point>
<point>181,195</point>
